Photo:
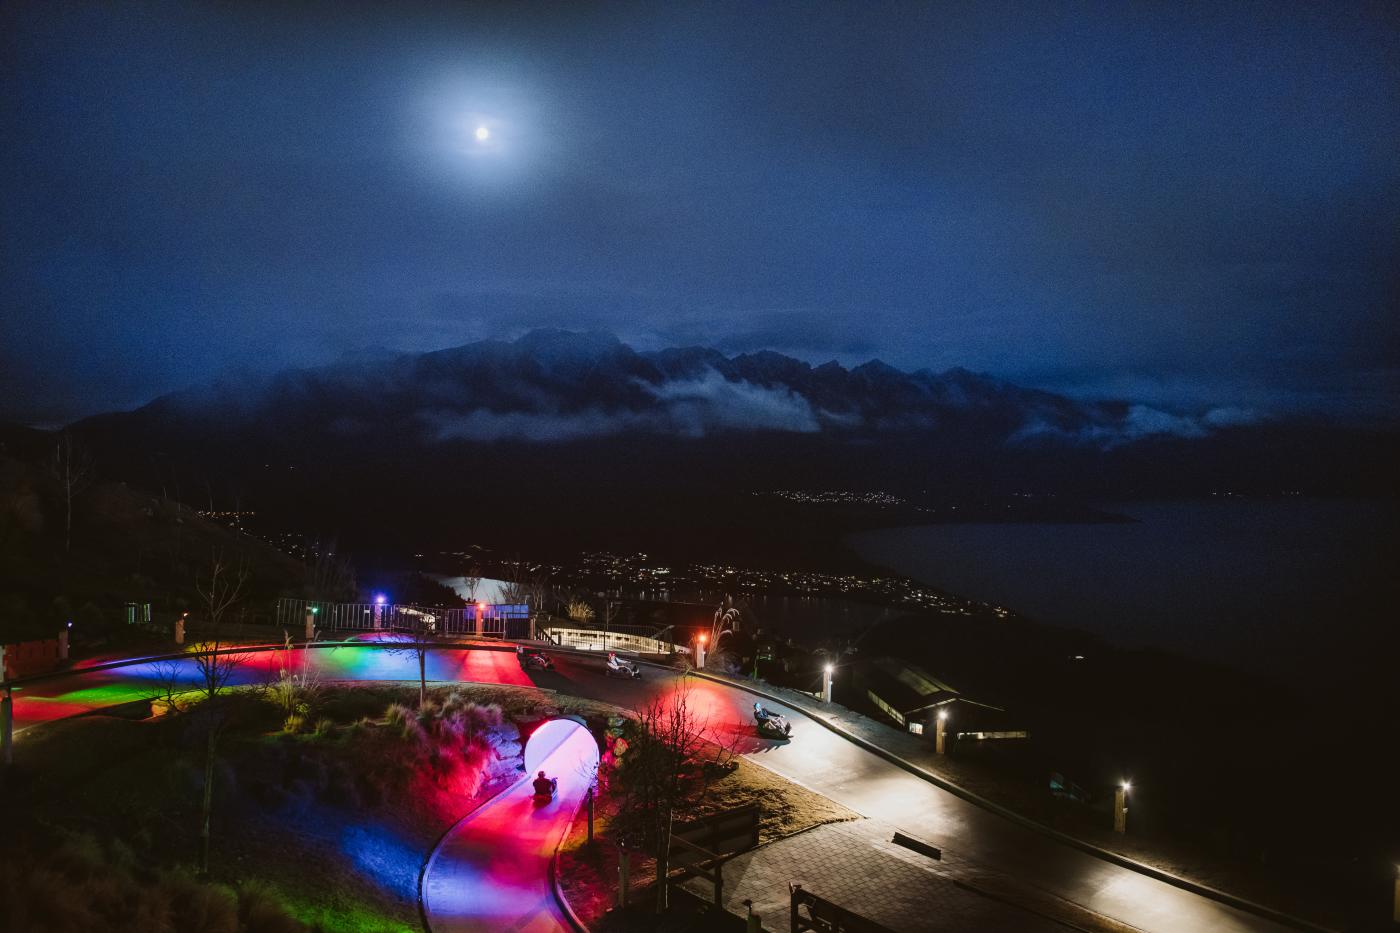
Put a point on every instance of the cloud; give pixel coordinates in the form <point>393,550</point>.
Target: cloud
<point>539,427</point>
<point>686,408</point>
<point>1230,416</point>
<point>1137,423</point>
<point>711,402</point>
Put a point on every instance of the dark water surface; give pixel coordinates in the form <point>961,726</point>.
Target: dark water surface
<point>1303,588</point>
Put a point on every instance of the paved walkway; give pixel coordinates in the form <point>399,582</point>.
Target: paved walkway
<point>856,866</point>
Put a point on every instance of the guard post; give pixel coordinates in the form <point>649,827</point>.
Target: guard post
<point>7,722</point>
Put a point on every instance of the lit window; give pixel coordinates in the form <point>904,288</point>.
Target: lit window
<point>917,728</point>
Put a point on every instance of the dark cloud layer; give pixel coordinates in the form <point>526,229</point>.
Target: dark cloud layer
<point>1196,207</point>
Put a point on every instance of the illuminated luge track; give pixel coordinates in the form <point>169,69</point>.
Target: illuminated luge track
<point>86,691</point>
<point>491,870</point>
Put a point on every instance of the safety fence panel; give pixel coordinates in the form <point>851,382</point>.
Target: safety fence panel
<point>478,621</point>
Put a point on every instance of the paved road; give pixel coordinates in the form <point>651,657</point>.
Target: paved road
<point>491,872</point>
<point>825,762</point>
<point>815,757</point>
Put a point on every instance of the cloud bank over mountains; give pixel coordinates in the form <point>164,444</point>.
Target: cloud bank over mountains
<point>558,386</point>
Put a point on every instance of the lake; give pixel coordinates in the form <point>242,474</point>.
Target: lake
<point>1297,587</point>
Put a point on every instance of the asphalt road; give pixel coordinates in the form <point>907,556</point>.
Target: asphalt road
<point>814,757</point>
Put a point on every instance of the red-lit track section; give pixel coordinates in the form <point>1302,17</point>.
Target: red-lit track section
<point>88,691</point>
<point>491,871</point>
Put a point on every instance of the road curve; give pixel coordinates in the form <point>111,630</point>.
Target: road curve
<point>491,871</point>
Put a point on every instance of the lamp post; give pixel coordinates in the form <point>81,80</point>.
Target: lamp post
<point>940,733</point>
<point>1397,894</point>
<point>180,628</point>
<point>700,642</point>
<point>311,622</point>
<point>1120,807</point>
<point>826,683</point>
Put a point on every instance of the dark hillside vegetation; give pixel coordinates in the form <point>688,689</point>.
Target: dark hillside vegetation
<point>127,545</point>
<point>321,821</point>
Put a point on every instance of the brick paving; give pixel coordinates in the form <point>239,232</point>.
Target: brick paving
<point>855,865</point>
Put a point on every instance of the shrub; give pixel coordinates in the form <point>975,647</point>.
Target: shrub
<point>405,720</point>
<point>294,723</point>
<point>324,727</point>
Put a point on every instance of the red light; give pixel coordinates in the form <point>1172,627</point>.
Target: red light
<point>704,638</point>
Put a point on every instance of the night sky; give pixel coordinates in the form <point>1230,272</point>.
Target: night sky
<point>1193,205</point>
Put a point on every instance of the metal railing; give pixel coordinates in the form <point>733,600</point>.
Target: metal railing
<point>480,621</point>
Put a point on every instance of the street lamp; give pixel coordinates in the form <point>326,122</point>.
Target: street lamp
<point>940,734</point>
<point>1120,807</point>
<point>826,682</point>
<point>700,649</point>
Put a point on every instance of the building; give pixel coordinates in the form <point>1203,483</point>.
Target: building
<point>913,698</point>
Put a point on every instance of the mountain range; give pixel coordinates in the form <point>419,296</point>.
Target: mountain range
<point>515,434</point>
<point>552,386</point>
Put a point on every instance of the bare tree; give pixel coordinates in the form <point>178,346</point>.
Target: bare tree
<point>329,575</point>
<point>420,629</point>
<point>538,590</point>
<point>665,765</point>
<point>469,585</point>
<point>513,593</point>
<point>220,589</point>
<point>72,467</point>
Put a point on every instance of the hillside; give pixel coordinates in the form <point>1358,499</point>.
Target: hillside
<point>127,545</point>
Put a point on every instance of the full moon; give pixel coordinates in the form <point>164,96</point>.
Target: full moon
<point>482,134</point>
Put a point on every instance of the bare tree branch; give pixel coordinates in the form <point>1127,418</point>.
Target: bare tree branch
<point>72,467</point>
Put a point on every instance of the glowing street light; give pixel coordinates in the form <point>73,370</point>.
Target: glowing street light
<point>1120,807</point>
<point>700,643</point>
<point>940,733</point>
<point>827,671</point>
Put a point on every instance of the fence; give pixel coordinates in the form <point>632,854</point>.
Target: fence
<point>32,657</point>
<point>478,621</point>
